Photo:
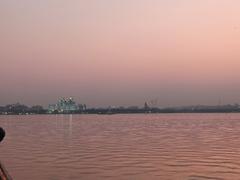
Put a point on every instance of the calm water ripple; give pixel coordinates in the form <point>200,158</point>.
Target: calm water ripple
<point>122,147</point>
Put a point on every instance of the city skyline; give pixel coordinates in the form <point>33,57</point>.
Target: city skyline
<point>120,52</point>
<point>153,103</point>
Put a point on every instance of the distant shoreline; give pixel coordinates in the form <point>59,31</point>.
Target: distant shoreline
<point>21,109</point>
<point>216,112</point>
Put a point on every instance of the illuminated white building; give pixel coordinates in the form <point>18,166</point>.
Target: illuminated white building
<point>64,105</point>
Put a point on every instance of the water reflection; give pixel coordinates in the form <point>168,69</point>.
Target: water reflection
<point>173,146</point>
<point>70,124</point>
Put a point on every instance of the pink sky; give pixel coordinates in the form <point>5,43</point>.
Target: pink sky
<point>120,52</point>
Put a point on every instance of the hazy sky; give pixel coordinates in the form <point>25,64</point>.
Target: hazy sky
<point>120,52</point>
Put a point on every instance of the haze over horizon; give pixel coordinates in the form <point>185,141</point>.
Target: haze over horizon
<point>120,52</point>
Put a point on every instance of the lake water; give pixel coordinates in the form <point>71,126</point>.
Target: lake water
<point>122,147</point>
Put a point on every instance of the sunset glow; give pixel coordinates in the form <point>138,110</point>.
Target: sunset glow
<point>112,52</point>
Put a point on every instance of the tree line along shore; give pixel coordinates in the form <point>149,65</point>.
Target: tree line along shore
<point>21,109</point>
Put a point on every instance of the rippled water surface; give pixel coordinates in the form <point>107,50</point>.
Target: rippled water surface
<point>161,146</point>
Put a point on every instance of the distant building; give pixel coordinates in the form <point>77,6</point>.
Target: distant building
<point>64,105</point>
<point>146,106</point>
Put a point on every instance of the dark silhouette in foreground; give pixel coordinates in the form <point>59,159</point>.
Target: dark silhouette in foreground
<point>3,172</point>
<point>2,134</point>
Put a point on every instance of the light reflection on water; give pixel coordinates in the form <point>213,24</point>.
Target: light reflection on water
<point>151,146</point>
